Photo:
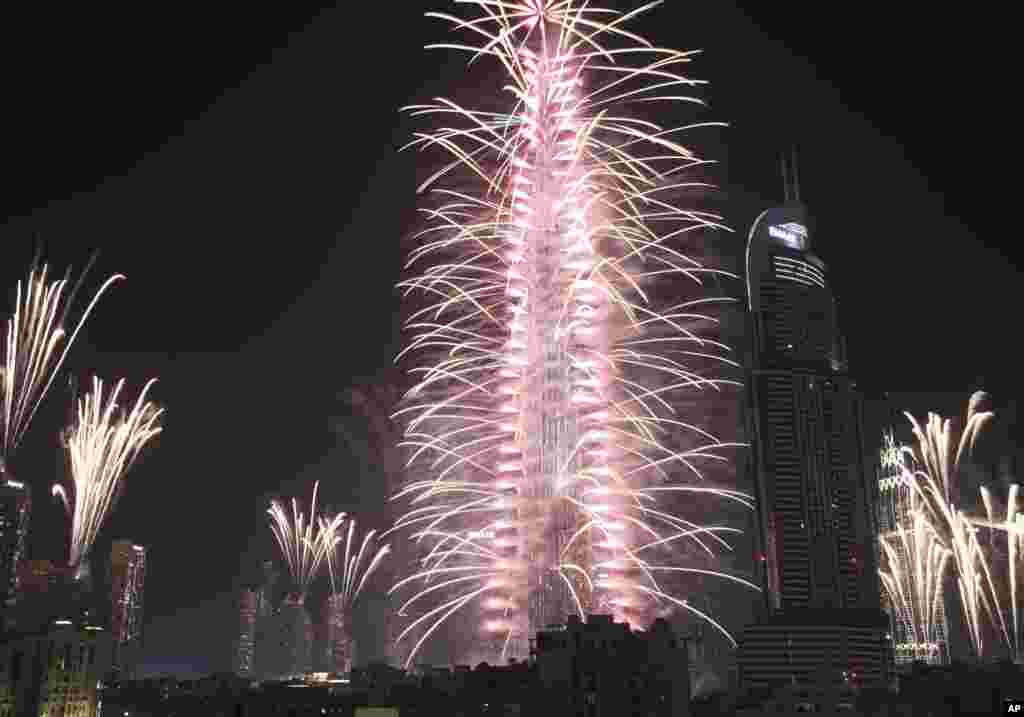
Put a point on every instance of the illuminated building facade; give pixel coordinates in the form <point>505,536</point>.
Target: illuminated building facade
<point>15,509</point>
<point>127,584</point>
<point>815,494</point>
<point>245,643</point>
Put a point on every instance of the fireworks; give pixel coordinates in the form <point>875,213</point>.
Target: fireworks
<point>918,555</point>
<point>352,570</point>
<point>556,418</point>
<point>102,444</point>
<point>35,346</point>
<point>305,541</point>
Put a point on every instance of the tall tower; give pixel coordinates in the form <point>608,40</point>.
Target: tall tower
<point>244,658</point>
<point>815,495</point>
<point>127,584</point>
<point>814,492</point>
<point>15,509</point>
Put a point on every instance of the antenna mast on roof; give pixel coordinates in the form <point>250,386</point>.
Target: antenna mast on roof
<point>796,178</point>
<point>785,178</point>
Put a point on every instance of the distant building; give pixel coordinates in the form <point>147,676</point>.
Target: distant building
<point>15,509</point>
<point>127,587</point>
<point>340,646</point>
<point>294,637</point>
<point>54,672</point>
<point>245,643</point>
<point>267,660</point>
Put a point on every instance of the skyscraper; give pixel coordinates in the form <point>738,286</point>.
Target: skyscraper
<point>127,583</point>
<point>814,496</point>
<point>815,493</point>
<point>15,508</point>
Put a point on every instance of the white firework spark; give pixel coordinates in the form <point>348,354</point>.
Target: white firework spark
<point>35,345</point>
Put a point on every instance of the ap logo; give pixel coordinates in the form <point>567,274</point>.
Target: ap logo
<point>1014,707</point>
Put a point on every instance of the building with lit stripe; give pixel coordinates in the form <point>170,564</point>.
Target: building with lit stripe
<point>127,587</point>
<point>15,509</point>
<point>815,492</point>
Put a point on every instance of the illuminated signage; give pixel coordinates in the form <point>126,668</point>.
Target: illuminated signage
<point>15,484</point>
<point>791,234</point>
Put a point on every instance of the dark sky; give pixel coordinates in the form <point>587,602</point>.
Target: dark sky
<point>239,165</point>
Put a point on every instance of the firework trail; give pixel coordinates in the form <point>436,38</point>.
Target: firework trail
<point>557,413</point>
<point>917,564</point>
<point>103,444</point>
<point>305,540</point>
<point>35,346</point>
<point>347,565</point>
<point>933,471</point>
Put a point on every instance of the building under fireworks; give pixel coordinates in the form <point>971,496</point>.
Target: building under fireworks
<point>127,590</point>
<point>15,508</point>
<point>896,538</point>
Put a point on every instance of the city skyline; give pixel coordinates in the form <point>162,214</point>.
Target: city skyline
<point>196,364</point>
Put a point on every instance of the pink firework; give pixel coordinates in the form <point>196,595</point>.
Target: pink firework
<point>562,349</point>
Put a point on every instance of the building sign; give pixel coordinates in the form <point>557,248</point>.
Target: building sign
<point>791,234</point>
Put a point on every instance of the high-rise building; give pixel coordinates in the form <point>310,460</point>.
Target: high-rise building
<point>267,659</point>
<point>815,499</point>
<point>815,493</point>
<point>245,642</point>
<point>15,508</point>
<point>127,583</point>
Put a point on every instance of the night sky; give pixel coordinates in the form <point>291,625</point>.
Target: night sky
<point>240,166</point>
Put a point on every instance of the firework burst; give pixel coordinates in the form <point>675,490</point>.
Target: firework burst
<point>35,346</point>
<point>305,540</point>
<point>562,387</point>
<point>103,444</point>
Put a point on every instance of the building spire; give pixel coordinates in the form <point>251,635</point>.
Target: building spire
<point>785,179</point>
<point>790,176</point>
<point>796,177</point>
